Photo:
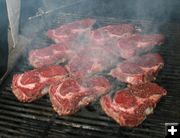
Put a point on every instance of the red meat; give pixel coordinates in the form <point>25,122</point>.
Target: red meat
<point>138,69</point>
<point>112,32</point>
<point>53,54</point>
<point>90,61</point>
<point>130,106</point>
<point>67,97</point>
<point>71,31</point>
<point>33,84</point>
<point>136,44</point>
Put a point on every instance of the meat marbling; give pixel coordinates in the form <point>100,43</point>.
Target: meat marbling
<point>112,32</point>
<point>53,54</point>
<point>139,69</point>
<point>130,106</point>
<point>67,97</point>
<point>33,84</point>
<point>71,31</point>
<point>135,44</point>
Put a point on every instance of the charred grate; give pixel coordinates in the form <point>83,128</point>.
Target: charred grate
<point>38,119</point>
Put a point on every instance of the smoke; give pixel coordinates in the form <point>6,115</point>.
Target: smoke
<point>47,14</point>
<point>147,15</point>
<point>123,10</point>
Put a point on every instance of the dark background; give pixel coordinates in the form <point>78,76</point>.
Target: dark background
<point>157,10</point>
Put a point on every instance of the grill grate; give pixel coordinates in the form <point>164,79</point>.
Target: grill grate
<point>38,119</point>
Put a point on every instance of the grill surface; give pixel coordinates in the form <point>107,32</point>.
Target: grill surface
<point>38,119</point>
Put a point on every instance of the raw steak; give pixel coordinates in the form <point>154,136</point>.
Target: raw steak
<point>130,106</point>
<point>110,32</point>
<point>138,69</point>
<point>137,43</point>
<point>89,61</point>
<point>67,97</point>
<point>53,54</point>
<point>71,31</point>
<point>33,84</point>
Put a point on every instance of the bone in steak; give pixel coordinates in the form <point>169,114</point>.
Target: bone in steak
<point>89,61</point>
<point>137,43</point>
<point>130,106</point>
<point>33,84</point>
<point>71,31</point>
<point>53,54</point>
<point>67,97</point>
<point>138,69</point>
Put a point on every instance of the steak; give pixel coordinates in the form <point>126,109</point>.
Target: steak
<point>71,31</point>
<point>67,97</point>
<point>122,40</point>
<point>53,54</point>
<point>33,84</point>
<point>90,61</point>
<point>129,107</point>
<point>112,31</point>
<point>139,69</point>
<point>135,44</point>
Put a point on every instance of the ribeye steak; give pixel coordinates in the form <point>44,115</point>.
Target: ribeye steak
<point>137,43</point>
<point>67,97</point>
<point>33,84</point>
<point>139,69</point>
<point>112,32</point>
<point>71,31</point>
<point>53,54</point>
<point>130,106</point>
